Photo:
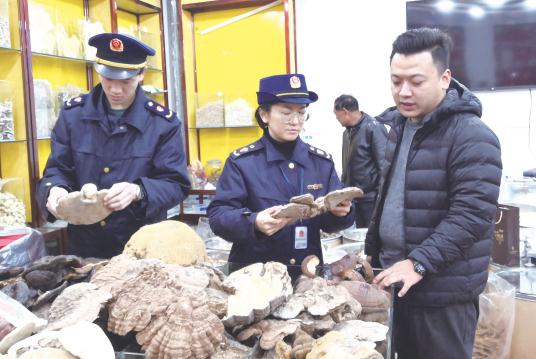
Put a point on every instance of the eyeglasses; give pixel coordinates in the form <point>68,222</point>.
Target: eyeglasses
<point>287,117</point>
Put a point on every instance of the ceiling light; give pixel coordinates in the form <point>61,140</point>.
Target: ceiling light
<point>530,4</point>
<point>495,4</point>
<point>476,11</point>
<point>445,6</point>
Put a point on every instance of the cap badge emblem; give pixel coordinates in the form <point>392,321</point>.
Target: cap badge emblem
<point>116,45</point>
<point>295,82</point>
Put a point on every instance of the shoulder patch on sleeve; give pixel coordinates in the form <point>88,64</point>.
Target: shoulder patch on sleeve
<point>319,152</point>
<point>75,101</point>
<point>252,147</point>
<point>159,110</point>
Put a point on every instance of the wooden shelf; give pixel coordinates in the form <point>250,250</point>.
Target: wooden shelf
<point>8,49</point>
<point>12,141</point>
<point>138,7</point>
<point>62,58</point>
<point>204,6</point>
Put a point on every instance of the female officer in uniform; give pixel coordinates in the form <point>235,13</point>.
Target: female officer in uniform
<point>258,178</point>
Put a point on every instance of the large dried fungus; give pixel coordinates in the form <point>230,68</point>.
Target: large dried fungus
<point>302,344</point>
<point>142,299</point>
<point>86,341</point>
<point>16,335</point>
<point>317,297</point>
<point>17,289</point>
<point>48,296</point>
<point>259,289</point>
<point>10,272</point>
<point>229,348</point>
<point>271,331</point>
<point>170,241</point>
<point>186,329</point>
<point>334,198</point>
<point>335,345</point>
<point>47,353</point>
<point>83,207</point>
<point>363,331</point>
<point>301,207</point>
<point>371,297</point>
<point>315,325</point>
<point>79,302</point>
<point>120,270</point>
<point>293,210</point>
<point>83,341</point>
<point>217,301</point>
<point>189,277</point>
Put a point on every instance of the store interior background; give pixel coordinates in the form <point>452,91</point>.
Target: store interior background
<point>349,53</point>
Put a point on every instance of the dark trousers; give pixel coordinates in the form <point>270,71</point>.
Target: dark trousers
<point>363,212</point>
<point>435,332</point>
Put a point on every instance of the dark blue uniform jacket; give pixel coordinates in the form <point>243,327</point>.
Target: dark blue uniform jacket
<point>252,180</point>
<point>146,147</point>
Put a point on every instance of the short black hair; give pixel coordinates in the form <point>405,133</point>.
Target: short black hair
<point>265,108</point>
<point>422,39</point>
<point>347,102</point>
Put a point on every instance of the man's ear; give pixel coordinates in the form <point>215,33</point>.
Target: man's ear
<point>445,79</point>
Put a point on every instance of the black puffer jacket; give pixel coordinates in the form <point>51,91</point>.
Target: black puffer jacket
<point>452,184</point>
<point>363,149</point>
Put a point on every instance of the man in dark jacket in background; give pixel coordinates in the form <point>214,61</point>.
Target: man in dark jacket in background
<point>433,224</point>
<point>363,148</point>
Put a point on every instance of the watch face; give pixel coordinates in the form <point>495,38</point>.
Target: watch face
<point>419,268</point>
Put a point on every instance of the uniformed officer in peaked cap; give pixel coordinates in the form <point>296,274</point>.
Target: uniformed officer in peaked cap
<point>262,176</point>
<point>121,140</point>
<point>119,56</point>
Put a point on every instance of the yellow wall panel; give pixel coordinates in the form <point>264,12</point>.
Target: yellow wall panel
<point>14,162</point>
<point>11,73</point>
<point>60,72</point>
<point>127,23</point>
<point>99,10</point>
<point>230,60</point>
<point>13,22</point>
<point>64,12</point>
<point>150,34</point>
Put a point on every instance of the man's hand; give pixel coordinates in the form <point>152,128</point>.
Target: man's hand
<point>55,194</point>
<point>399,272</point>
<point>342,208</point>
<point>268,225</point>
<point>121,195</point>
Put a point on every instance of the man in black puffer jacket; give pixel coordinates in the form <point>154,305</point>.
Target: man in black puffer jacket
<point>363,149</point>
<point>433,223</point>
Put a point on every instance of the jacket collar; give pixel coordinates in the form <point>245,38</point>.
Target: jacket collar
<point>95,110</point>
<point>300,154</point>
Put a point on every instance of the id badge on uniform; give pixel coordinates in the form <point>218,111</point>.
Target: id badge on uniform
<point>300,237</point>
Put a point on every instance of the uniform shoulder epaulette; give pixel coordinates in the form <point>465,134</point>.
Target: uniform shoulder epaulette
<point>252,147</point>
<point>159,110</point>
<point>319,152</point>
<point>75,101</point>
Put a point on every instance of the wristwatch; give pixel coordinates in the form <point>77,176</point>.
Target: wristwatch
<point>140,194</point>
<point>419,268</point>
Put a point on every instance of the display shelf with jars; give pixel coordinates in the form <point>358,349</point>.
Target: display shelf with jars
<point>13,134</point>
<point>45,60</point>
<point>143,20</point>
<point>225,53</point>
<point>61,59</point>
